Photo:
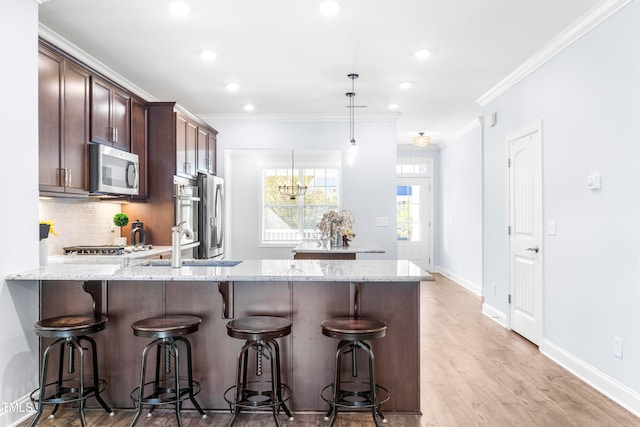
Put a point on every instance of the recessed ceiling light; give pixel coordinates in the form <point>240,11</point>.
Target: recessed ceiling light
<point>329,7</point>
<point>405,85</point>
<point>393,106</point>
<point>422,54</point>
<point>249,107</point>
<point>232,87</point>
<point>179,8</point>
<point>208,55</point>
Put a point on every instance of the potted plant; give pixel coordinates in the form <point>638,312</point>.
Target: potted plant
<point>120,219</point>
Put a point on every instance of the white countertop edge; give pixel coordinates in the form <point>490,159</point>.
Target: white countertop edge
<point>247,271</point>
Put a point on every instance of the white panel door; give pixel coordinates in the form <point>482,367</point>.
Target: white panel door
<point>525,220</point>
<point>414,220</point>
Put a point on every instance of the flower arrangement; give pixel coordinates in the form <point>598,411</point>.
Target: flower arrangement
<point>46,228</point>
<point>336,225</point>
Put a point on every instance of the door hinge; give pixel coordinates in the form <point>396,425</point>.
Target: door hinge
<point>508,163</point>
<point>509,230</point>
<point>509,298</point>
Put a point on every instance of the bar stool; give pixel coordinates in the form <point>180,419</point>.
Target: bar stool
<point>260,333</point>
<point>354,334</point>
<point>166,332</point>
<point>70,331</point>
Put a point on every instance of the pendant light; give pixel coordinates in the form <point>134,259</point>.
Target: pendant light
<point>294,190</point>
<point>352,139</point>
<point>422,140</point>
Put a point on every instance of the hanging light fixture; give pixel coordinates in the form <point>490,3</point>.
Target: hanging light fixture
<point>422,140</point>
<point>294,190</point>
<point>352,139</point>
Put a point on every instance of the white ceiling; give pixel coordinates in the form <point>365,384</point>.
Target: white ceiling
<point>292,62</point>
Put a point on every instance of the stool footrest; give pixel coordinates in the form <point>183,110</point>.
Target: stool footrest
<point>165,392</point>
<point>254,396</point>
<point>68,391</point>
<point>353,398</point>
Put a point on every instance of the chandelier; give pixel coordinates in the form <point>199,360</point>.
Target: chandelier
<point>294,190</point>
<point>422,140</point>
<point>352,139</point>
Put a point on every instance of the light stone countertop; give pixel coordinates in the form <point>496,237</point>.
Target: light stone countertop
<point>315,246</point>
<point>246,271</point>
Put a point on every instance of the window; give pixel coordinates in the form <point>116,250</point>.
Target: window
<point>289,221</point>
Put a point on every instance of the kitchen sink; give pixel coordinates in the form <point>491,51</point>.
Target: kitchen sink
<point>194,263</point>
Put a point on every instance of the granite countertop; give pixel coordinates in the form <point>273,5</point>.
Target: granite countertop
<point>247,270</point>
<point>316,246</point>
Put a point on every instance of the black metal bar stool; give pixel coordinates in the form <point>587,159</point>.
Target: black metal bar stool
<point>260,333</point>
<point>354,334</point>
<point>166,331</point>
<point>70,332</point>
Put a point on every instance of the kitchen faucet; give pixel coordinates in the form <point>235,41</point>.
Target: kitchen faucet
<point>176,236</point>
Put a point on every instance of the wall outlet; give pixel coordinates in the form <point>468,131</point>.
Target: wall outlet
<point>493,288</point>
<point>382,221</point>
<point>617,347</point>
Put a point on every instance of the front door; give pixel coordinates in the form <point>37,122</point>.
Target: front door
<point>525,234</point>
<point>414,220</point>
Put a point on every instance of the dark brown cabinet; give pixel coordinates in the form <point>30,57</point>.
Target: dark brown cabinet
<point>110,114</point>
<point>63,116</point>
<point>139,144</point>
<point>186,143</point>
<point>207,150</point>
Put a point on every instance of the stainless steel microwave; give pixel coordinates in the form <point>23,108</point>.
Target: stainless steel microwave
<point>112,171</point>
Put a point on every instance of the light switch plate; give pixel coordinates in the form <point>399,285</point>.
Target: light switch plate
<point>551,227</point>
<point>593,181</point>
<point>382,221</point>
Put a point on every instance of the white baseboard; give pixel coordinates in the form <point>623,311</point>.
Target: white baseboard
<point>14,413</point>
<point>619,393</point>
<point>493,314</point>
<point>473,287</point>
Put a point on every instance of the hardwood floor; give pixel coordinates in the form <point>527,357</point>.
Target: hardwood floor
<point>474,373</point>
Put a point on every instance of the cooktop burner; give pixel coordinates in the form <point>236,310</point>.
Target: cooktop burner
<point>94,250</point>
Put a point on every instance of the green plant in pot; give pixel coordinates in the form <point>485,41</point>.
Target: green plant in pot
<point>121,219</point>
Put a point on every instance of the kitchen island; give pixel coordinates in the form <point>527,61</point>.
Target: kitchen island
<point>315,249</point>
<point>304,291</point>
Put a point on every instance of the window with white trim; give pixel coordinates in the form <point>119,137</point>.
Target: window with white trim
<point>289,221</point>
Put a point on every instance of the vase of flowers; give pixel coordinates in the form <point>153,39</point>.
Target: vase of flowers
<point>335,226</point>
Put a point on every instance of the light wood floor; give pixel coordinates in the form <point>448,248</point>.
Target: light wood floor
<point>474,373</point>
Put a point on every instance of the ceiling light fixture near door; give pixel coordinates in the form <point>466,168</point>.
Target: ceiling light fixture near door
<point>421,140</point>
<point>179,8</point>
<point>353,149</point>
<point>329,7</point>
<point>294,190</point>
<point>422,54</point>
<point>208,55</point>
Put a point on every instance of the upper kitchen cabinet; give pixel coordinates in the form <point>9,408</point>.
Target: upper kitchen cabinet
<point>207,150</point>
<point>139,144</point>
<point>63,117</point>
<point>110,114</point>
<point>186,137</point>
<point>179,137</point>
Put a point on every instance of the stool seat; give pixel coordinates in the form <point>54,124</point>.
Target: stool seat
<point>351,329</point>
<point>70,326</point>
<point>166,326</point>
<point>256,328</point>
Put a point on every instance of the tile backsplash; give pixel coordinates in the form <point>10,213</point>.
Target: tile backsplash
<point>79,222</point>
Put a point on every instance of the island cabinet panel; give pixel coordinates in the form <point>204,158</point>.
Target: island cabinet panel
<point>396,354</point>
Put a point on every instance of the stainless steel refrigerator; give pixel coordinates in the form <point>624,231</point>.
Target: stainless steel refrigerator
<point>211,216</point>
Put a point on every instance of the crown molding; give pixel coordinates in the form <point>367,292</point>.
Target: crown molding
<point>54,38</point>
<point>271,118</point>
<point>594,17</point>
<point>474,124</point>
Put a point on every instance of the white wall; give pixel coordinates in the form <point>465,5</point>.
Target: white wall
<point>368,187</point>
<point>19,213</point>
<point>588,100</point>
<point>460,254</point>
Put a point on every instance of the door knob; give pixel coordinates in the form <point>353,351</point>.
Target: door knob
<point>534,249</point>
